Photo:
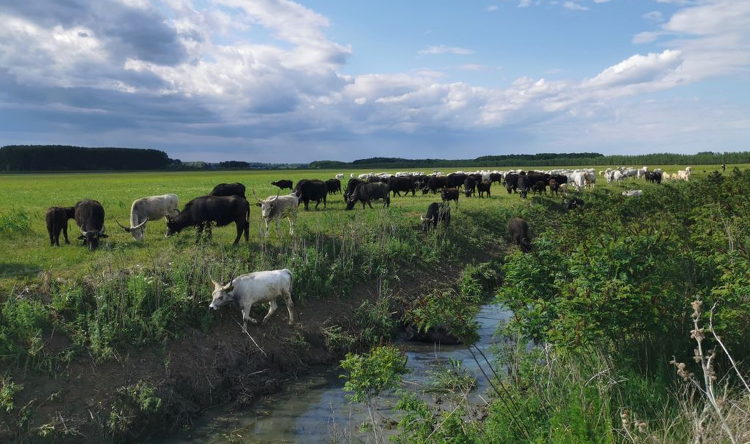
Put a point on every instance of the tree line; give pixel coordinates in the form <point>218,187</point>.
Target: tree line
<point>76,158</point>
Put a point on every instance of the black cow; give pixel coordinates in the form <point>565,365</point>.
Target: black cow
<point>202,211</point>
<point>282,184</point>
<point>484,187</point>
<point>470,186</point>
<point>312,189</point>
<point>367,192</point>
<point>449,194</point>
<point>455,180</point>
<point>228,189</point>
<point>333,185</point>
<point>519,233</point>
<point>539,187</point>
<point>350,186</point>
<point>554,186</point>
<point>653,177</point>
<point>523,184</point>
<point>574,203</point>
<point>511,183</point>
<point>436,212</point>
<point>89,216</point>
<point>435,183</point>
<point>496,178</point>
<point>397,185</point>
<point>57,220</point>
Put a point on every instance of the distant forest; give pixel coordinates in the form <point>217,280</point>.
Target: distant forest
<point>73,158</point>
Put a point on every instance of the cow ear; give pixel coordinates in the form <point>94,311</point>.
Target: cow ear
<point>228,287</point>
<point>258,204</point>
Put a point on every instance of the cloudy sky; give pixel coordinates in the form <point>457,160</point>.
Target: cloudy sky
<point>285,81</point>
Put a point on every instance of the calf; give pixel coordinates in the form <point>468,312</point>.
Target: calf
<point>519,233</point>
<point>333,186</point>
<point>253,288</point>
<point>149,208</point>
<point>312,189</point>
<point>539,187</point>
<point>277,207</point>
<point>470,186</point>
<point>89,216</point>
<point>202,211</point>
<point>57,220</point>
<point>282,184</point>
<point>367,192</point>
<point>574,203</point>
<point>554,186</point>
<point>228,189</point>
<point>449,194</point>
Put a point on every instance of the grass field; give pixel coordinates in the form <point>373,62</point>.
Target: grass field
<point>26,252</point>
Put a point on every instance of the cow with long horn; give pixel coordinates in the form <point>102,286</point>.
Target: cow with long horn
<point>278,207</point>
<point>89,216</point>
<point>148,209</point>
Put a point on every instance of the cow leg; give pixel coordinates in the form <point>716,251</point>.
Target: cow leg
<point>65,233</point>
<point>246,315</point>
<point>198,231</point>
<point>271,310</point>
<point>369,203</point>
<point>51,237</point>
<point>266,235</point>
<point>247,231</point>
<point>240,230</point>
<point>278,222</point>
<point>289,306</point>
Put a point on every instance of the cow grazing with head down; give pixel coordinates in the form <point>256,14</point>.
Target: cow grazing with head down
<point>149,208</point>
<point>255,288</point>
<point>519,233</point>
<point>311,189</point>
<point>282,184</point>
<point>524,185</point>
<point>278,207</point>
<point>436,213</point>
<point>350,186</point>
<point>574,203</point>
<point>449,194</point>
<point>402,184</point>
<point>228,189</point>
<point>57,220</point>
<point>470,186</point>
<point>89,216</point>
<point>202,211</point>
<point>367,192</point>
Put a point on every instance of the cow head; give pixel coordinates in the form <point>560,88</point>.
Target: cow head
<point>221,294</point>
<point>91,238</point>
<point>172,226</point>
<point>267,206</point>
<point>426,222</point>
<point>136,231</point>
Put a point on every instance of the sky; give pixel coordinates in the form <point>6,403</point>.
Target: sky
<point>288,82</point>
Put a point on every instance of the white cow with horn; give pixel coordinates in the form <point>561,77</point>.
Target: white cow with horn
<point>150,208</point>
<point>253,288</point>
<point>277,207</point>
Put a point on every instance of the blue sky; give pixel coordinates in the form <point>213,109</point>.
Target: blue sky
<point>284,81</point>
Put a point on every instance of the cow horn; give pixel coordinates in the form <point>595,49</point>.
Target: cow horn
<point>421,218</point>
<point>121,226</point>
<point>277,195</point>
<point>256,197</point>
<point>216,284</point>
<point>138,226</point>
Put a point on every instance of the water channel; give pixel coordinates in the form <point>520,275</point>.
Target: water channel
<point>314,409</point>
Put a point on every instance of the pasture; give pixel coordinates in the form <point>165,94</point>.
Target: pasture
<point>24,199</point>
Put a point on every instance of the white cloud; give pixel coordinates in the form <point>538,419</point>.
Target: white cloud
<point>653,16</point>
<point>491,8</point>
<point>442,49</point>
<point>573,6</point>
<point>473,67</point>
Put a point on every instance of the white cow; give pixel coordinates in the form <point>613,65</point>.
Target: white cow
<point>578,179</point>
<point>631,193</point>
<point>339,176</point>
<point>150,208</point>
<point>277,207</point>
<point>253,288</point>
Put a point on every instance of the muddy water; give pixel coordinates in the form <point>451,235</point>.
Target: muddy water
<point>314,409</point>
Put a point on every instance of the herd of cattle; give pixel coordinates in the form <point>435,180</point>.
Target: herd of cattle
<point>227,203</point>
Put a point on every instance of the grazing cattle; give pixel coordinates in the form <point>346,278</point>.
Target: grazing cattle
<point>470,186</point>
<point>484,188</point>
<point>496,178</point>
<point>455,180</point>
<point>553,186</point>
<point>430,222</point>
<point>57,220</point>
<point>339,176</point>
<point>435,183</point>
<point>523,184</point>
<point>202,211</point>
<point>449,194</point>
<point>519,233</point>
<point>367,192</point>
<point>312,189</point>
<point>653,177</point>
<point>89,216</point>
<point>282,184</point>
<point>397,185</point>
<point>278,207</point>
<point>511,183</point>
<point>333,185</point>
<point>578,179</point>
<point>350,186</point>
<point>574,203</point>
<point>149,208</point>
<point>254,288</point>
<point>539,187</point>
<point>228,189</point>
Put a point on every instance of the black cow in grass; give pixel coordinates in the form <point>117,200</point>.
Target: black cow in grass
<point>399,185</point>
<point>496,178</point>
<point>511,183</point>
<point>312,189</point>
<point>470,186</point>
<point>554,186</point>
<point>435,183</point>
<point>282,184</point>
<point>350,186</point>
<point>523,184</point>
<point>653,177</point>
<point>518,229</point>
<point>89,216</point>
<point>57,220</point>
<point>449,194</point>
<point>333,185</point>
<point>574,203</point>
<point>367,192</point>
<point>455,180</point>
<point>228,189</point>
<point>484,188</point>
<point>202,211</point>
<point>539,187</point>
<point>436,213</point>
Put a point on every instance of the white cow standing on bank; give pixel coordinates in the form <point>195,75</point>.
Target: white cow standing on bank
<point>254,288</point>
<point>150,208</point>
